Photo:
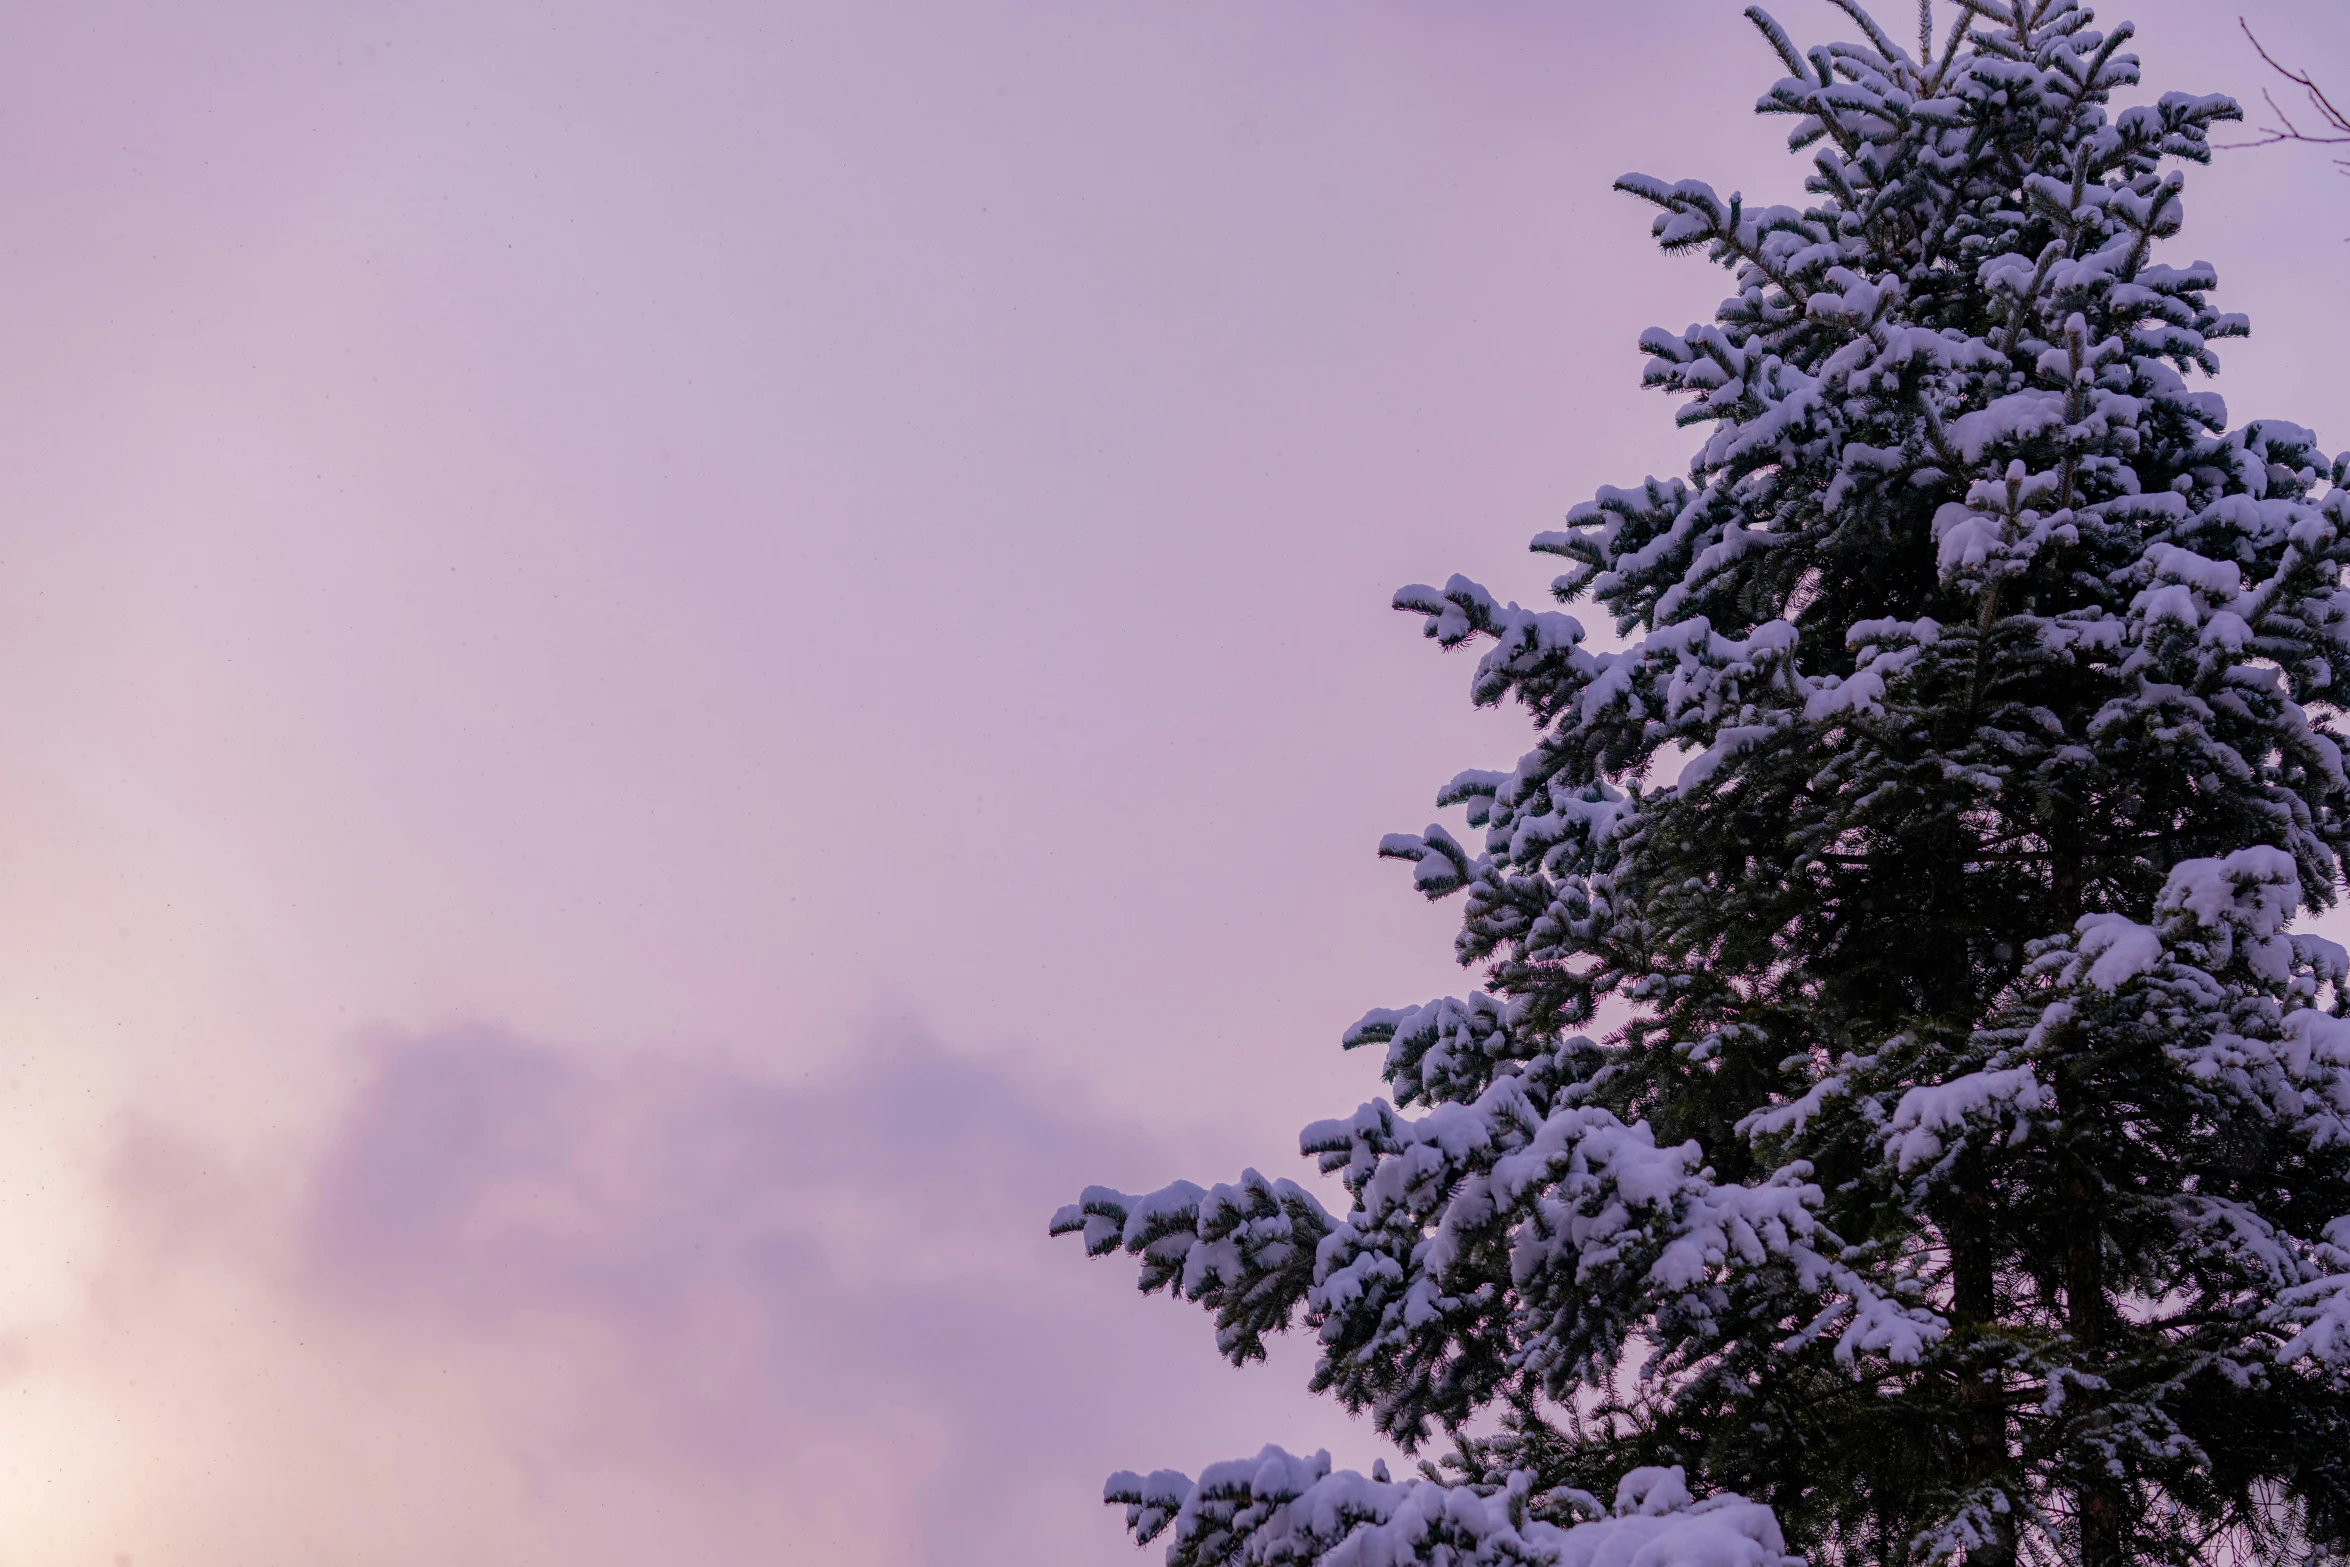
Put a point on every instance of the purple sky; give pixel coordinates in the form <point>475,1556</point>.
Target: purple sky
<point>668,667</point>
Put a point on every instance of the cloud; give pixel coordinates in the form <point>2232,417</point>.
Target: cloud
<point>746,1248</point>
<point>525,1304</point>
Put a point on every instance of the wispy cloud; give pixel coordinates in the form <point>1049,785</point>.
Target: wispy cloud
<point>670,1300</point>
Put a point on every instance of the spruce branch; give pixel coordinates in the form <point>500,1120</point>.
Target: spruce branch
<point>1776,36</point>
<point>1886,48</point>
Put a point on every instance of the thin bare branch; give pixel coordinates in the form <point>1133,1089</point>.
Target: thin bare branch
<point>2333,123</point>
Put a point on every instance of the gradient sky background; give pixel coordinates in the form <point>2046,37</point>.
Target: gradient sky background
<point>668,666</point>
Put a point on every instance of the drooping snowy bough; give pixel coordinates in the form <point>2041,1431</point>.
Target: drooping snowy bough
<point>1968,1171</point>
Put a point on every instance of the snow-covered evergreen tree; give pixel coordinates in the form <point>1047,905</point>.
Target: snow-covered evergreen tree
<point>1966,1173</point>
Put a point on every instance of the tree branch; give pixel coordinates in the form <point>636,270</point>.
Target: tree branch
<point>2333,124</point>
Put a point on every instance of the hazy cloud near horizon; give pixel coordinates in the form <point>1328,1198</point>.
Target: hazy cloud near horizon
<point>665,668</point>
<point>659,1306</point>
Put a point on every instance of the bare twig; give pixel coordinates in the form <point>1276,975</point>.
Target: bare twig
<point>2333,125</point>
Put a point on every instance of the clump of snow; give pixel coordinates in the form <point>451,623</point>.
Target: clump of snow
<point>2117,949</point>
<point>1927,1116</point>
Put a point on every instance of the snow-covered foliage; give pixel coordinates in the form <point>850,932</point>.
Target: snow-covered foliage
<point>1275,1509</point>
<point>1968,1169</point>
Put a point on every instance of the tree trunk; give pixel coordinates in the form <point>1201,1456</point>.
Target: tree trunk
<point>2099,1502</point>
<point>1982,1405</point>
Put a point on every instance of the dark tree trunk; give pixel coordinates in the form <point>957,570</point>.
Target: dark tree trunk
<point>2099,1502</point>
<point>1982,1403</point>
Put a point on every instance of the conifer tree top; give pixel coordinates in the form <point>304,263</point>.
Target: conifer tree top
<point>1962,1164</point>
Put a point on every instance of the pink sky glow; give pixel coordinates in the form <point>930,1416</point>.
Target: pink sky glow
<point>669,666</point>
